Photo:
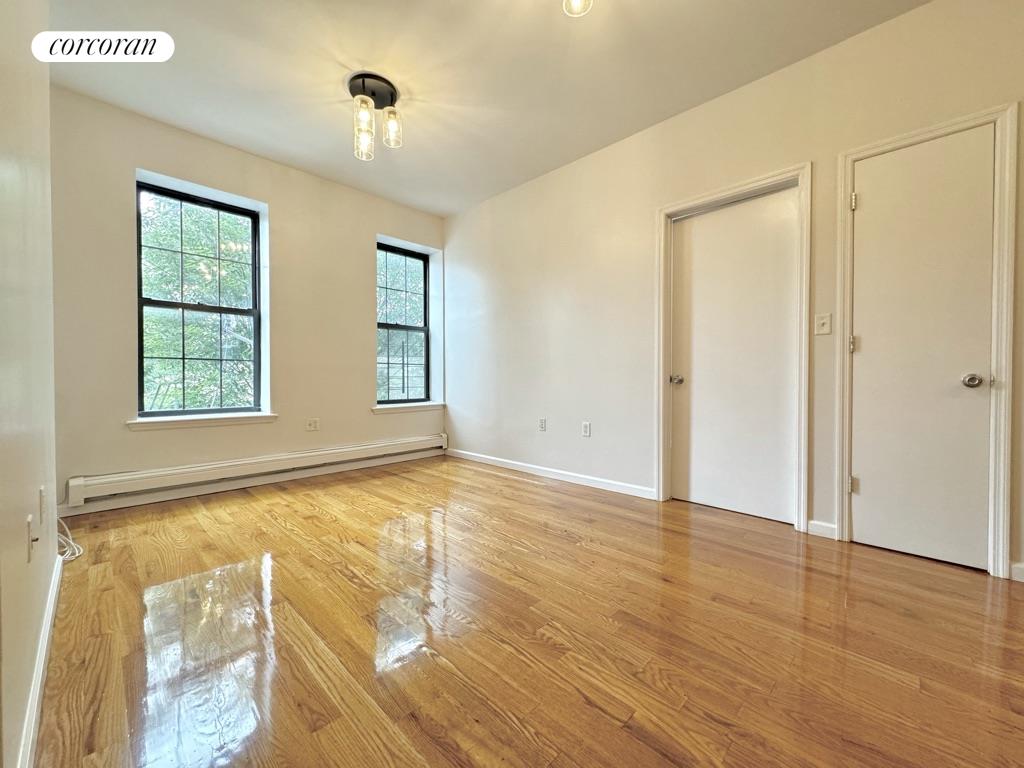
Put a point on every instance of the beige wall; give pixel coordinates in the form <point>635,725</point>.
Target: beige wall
<point>550,285</point>
<point>26,361</point>
<point>322,295</point>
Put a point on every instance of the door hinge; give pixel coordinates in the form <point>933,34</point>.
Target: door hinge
<point>852,344</point>
<point>851,484</point>
<point>853,201</point>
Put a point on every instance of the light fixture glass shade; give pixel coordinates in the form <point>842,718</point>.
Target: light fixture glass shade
<point>363,127</point>
<point>392,128</point>
<point>576,8</point>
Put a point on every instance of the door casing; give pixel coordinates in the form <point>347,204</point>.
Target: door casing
<point>800,177</point>
<point>1004,120</point>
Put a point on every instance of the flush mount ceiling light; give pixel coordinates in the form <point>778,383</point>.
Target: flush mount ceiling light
<point>371,92</point>
<point>577,8</point>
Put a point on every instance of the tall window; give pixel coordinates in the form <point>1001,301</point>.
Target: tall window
<point>199,319</point>
<point>403,339</point>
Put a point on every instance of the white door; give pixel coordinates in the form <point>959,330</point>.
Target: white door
<point>922,318</point>
<point>735,342</point>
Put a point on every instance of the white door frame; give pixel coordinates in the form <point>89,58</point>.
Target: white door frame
<point>1004,118</point>
<point>798,176</point>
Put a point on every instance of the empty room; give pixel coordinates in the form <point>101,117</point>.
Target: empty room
<point>546,383</point>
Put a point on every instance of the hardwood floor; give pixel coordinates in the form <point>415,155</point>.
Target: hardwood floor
<point>443,613</point>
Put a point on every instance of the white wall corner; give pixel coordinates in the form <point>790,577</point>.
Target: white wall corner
<point>33,710</point>
<point>615,486</point>
<point>819,528</point>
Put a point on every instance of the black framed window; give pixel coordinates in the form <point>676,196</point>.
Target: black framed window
<point>403,335</point>
<point>199,317</point>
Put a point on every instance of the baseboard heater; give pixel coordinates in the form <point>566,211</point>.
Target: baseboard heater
<point>87,489</point>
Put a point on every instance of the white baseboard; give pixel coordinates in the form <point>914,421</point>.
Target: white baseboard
<point>1017,571</point>
<point>231,484</point>
<point>557,474</point>
<point>33,710</point>
<point>818,528</point>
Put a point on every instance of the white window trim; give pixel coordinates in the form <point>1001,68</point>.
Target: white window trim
<point>147,423</point>
<point>263,210</point>
<point>435,302</point>
<point>430,405</point>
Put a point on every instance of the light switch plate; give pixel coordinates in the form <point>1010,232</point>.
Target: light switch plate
<point>823,324</point>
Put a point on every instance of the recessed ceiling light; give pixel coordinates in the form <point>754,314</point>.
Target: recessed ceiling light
<point>577,8</point>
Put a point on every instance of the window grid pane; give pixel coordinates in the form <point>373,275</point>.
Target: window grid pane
<point>402,365</point>
<point>161,274</point>
<point>198,333</point>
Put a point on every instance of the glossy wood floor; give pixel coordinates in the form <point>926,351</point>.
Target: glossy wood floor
<point>447,613</point>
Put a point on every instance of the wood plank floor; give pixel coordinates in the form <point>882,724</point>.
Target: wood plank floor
<point>445,613</point>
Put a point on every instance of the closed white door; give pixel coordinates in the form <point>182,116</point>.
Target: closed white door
<point>922,321</point>
<point>735,343</point>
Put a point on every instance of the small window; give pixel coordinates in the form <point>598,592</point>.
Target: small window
<point>403,334</point>
<point>199,317</point>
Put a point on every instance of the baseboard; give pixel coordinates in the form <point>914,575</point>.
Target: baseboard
<point>557,474</point>
<point>81,489</point>
<point>33,710</point>
<point>230,484</point>
<point>818,528</point>
<point>1017,571</point>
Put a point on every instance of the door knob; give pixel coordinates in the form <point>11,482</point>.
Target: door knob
<point>972,380</point>
<point>675,379</point>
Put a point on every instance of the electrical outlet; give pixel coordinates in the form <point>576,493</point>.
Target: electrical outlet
<point>586,429</point>
<point>823,325</point>
<point>313,425</point>
<point>543,425</point>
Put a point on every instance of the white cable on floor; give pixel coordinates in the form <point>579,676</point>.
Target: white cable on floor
<point>66,546</point>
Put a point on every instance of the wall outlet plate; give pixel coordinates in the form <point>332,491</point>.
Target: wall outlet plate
<point>586,429</point>
<point>543,425</point>
<point>313,425</point>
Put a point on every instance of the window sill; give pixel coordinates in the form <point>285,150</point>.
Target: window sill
<point>182,422</point>
<point>408,407</point>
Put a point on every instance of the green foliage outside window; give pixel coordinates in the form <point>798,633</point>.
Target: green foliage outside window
<point>196,355</point>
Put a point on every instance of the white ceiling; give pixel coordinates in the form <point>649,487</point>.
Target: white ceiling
<point>493,92</point>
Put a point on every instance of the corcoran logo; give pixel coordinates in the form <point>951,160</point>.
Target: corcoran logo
<point>131,47</point>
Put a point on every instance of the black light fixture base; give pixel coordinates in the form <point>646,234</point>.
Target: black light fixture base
<point>380,89</point>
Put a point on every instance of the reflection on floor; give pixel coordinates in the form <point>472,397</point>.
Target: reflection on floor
<point>405,620</point>
<point>209,665</point>
<point>447,613</point>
